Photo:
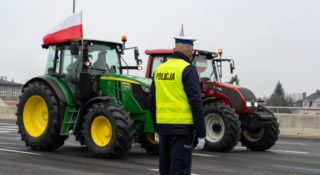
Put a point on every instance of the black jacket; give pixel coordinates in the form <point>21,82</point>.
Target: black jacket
<point>191,85</point>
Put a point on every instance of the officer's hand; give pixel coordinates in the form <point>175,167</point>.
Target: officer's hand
<point>156,137</point>
<point>200,145</point>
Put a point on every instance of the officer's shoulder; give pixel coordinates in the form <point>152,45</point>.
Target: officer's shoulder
<point>190,68</point>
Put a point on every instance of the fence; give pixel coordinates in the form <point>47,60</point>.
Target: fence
<point>295,110</point>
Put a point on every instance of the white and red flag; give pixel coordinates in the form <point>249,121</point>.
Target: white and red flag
<point>69,29</point>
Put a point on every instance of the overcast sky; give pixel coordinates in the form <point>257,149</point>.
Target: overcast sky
<point>270,40</point>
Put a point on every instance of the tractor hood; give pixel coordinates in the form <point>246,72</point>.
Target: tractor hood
<point>241,98</point>
<point>246,93</point>
<point>127,78</point>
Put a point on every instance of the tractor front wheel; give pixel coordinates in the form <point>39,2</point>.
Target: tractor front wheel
<point>38,117</point>
<point>262,138</point>
<point>108,130</point>
<point>222,127</point>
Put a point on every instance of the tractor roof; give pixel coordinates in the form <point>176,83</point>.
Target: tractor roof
<point>159,51</point>
<point>170,51</point>
<point>86,40</point>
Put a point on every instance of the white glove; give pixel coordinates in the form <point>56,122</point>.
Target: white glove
<point>200,145</point>
<point>156,137</point>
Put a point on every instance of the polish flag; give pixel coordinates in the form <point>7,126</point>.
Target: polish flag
<point>69,29</point>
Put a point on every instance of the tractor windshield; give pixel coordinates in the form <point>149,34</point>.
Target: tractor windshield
<point>205,67</point>
<point>104,59</point>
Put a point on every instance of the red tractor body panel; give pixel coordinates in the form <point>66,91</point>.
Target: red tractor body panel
<point>209,93</point>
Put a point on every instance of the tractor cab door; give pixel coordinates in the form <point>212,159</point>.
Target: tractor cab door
<point>63,65</point>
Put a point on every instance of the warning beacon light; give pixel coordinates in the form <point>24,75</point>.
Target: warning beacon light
<point>124,38</point>
<point>220,51</point>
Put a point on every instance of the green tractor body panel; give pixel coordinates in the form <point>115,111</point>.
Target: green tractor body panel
<point>71,114</point>
<point>131,92</point>
<point>65,89</point>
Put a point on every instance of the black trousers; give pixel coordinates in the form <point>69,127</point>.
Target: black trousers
<point>175,154</point>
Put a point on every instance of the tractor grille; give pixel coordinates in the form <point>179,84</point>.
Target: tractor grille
<point>141,96</point>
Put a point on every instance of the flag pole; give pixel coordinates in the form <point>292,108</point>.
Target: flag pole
<point>74,6</point>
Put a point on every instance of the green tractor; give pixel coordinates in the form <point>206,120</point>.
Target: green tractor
<point>85,93</point>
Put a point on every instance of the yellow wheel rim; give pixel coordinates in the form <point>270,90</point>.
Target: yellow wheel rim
<point>101,131</point>
<point>150,138</point>
<point>35,116</point>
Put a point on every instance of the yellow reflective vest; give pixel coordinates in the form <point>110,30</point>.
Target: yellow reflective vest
<point>172,106</point>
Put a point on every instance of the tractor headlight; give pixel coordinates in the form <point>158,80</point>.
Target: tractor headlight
<point>248,104</point>
<point>256,104</point>
<point>146,89</point>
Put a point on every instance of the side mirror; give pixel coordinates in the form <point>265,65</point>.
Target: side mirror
<point>231,68</point>
<point>136,56</point>
<point>74,48</point>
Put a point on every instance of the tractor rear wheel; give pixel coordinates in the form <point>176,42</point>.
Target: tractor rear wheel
<point>148,142</point>
<point>108,130</point>
<point>262,138</point>
<point>38,117</point>
<point>222,127</point>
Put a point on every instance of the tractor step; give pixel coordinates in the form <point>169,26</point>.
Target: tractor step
<point>70,120</point>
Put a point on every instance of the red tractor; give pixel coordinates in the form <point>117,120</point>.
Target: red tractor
<point>232,113</point>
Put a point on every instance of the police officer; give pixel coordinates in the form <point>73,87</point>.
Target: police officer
<point>176,109</point>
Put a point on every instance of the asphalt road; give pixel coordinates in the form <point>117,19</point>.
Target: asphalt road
<point>288,156</point>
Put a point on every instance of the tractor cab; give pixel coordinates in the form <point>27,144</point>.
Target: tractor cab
<point>80,63</point>
<point>208,64</point>
<point>71,58</point>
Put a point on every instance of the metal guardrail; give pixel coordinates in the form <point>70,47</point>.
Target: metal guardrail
<point>295,110</point>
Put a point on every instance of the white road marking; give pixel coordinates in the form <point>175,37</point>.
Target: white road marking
<point>17,151</point>
<point>242,148</point>
<point>204,155</point>
<point>303,169</point>
<point>291,143</point>
<point>289,151</point>
<point>9,129</point>
<point>10,138</point>
<point>153,169</point>
<point>5,131</point>
<point>8,124</point>
<point>278,150</point>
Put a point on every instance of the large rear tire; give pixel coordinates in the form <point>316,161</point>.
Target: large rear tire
<point>262,138</point>
<point>148,142</point>
<point>222,127</point>
<point>108,130</point>
<point>38,117</point>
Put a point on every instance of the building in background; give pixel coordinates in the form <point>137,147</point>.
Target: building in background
<point>310,105</point>
<point>9,92</point>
